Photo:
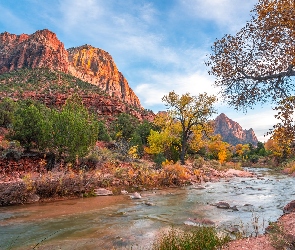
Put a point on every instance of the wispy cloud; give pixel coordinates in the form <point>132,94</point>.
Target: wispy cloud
<point>230,14</point>
<point>161,84</point>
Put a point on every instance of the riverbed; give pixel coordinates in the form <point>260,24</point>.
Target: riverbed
<point>119,222</point>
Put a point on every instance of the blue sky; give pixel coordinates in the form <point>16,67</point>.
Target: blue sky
<point>158,45</point>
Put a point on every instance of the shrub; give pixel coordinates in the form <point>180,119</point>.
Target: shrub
<point>197,239</point>
<point>278,238</point>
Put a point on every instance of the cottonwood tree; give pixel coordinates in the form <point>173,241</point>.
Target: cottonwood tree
<point>257,64</point>
<point>191,112</point>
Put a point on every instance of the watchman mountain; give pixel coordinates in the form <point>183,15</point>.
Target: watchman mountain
<point>38,67</point>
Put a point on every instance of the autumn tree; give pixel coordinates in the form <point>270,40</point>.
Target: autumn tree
<point>257,64</point>
<point>190,111</point>
<point>164,142</point>
<point>218,149</point>
<point>283,133</point>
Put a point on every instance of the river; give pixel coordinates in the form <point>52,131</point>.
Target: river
<point>118,222</point>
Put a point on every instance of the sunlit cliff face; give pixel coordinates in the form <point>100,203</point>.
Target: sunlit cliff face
<point>43,50</point>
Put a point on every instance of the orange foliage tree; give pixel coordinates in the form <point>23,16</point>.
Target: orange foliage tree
<point>257,64</point>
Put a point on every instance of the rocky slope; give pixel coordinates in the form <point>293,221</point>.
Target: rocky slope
<point>53,88</point>
<point>43,50</point>
<point>232,132</point>
<point>97,67</point>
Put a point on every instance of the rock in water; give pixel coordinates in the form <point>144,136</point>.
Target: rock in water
<point>222,205</point>
<point>135,196</point>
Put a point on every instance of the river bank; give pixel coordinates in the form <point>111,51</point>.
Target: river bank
<point>281,235</point>
<point>27,180</point>
<point>121,222</point>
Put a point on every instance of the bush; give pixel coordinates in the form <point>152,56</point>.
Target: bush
<point>199,238</point>
<point>7,109</point>
<point>67,133</point>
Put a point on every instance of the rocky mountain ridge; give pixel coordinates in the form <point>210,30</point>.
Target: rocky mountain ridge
<point>232,132</point>
<point>42,49</point>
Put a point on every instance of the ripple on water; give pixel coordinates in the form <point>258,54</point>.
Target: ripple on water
<point>121,222</point>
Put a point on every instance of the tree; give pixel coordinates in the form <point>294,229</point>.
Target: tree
<point>102,132</point>
<point>68,132</point>
<point>7,109</point>
<point>257,64</point>
<point>124,126</point>
<point>30,125</point>
<point>164,143</point>
<point>283,133</point>
<point>74,130</point>
<point>190,111</point>
<point>218,149</point>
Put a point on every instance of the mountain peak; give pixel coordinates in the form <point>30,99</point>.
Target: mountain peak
<point>232,132</point>
<point>43,49</point>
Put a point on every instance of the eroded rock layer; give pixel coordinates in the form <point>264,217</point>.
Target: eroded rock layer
<point>43,50</point>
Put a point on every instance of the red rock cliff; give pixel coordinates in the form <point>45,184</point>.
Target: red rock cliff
<point>39,50</point>
<point>97,67</point>
<point>43,50</point>
<point>232,132</point>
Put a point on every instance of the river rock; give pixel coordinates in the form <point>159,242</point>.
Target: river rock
<point>149,203</point>
<point>234,208</point>
<point>102,192</point>
<point>135,196</point>
<point>124,192</point>
<point>222,205</point>
<point>198,187</point>
<point>238,173</point>
<point>289,208</point>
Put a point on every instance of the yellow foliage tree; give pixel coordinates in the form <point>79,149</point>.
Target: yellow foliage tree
<point>219,149</point>
<point>165,140</point>
<point>191,112</point>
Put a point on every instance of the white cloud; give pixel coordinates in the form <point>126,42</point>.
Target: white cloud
<point>159,85</point>
<point>230,13</point>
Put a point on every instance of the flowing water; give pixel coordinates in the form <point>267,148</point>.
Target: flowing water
<point>119,222</point>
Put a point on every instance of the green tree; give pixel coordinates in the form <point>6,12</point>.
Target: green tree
<point>68,132</point>
<point>258,63</point>
<point>7,109</point>
<point>139,138</point>
<point>74,130</point>
<point>190,111</point>
<point>30,125</point>
<point>102,132</point>
<point>123,127</point>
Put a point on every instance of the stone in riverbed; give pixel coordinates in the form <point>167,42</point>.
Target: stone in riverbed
<point>102,192</point>
<point>289,208</point>
<point>198,187</point>
<point>135,196</point>
<point>222,205</point>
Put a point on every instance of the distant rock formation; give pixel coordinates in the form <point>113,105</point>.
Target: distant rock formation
<point>43,50</point>
<point>232,132</point>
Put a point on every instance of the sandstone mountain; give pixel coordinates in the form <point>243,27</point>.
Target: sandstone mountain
<point>43,50</point>
<point>232,132</point>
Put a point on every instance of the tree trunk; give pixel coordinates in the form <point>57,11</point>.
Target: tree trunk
<point>183,149</point>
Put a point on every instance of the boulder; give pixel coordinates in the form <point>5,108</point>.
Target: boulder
<point>222,205</point>
<point>135,196</point>
<point>289,208</point>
